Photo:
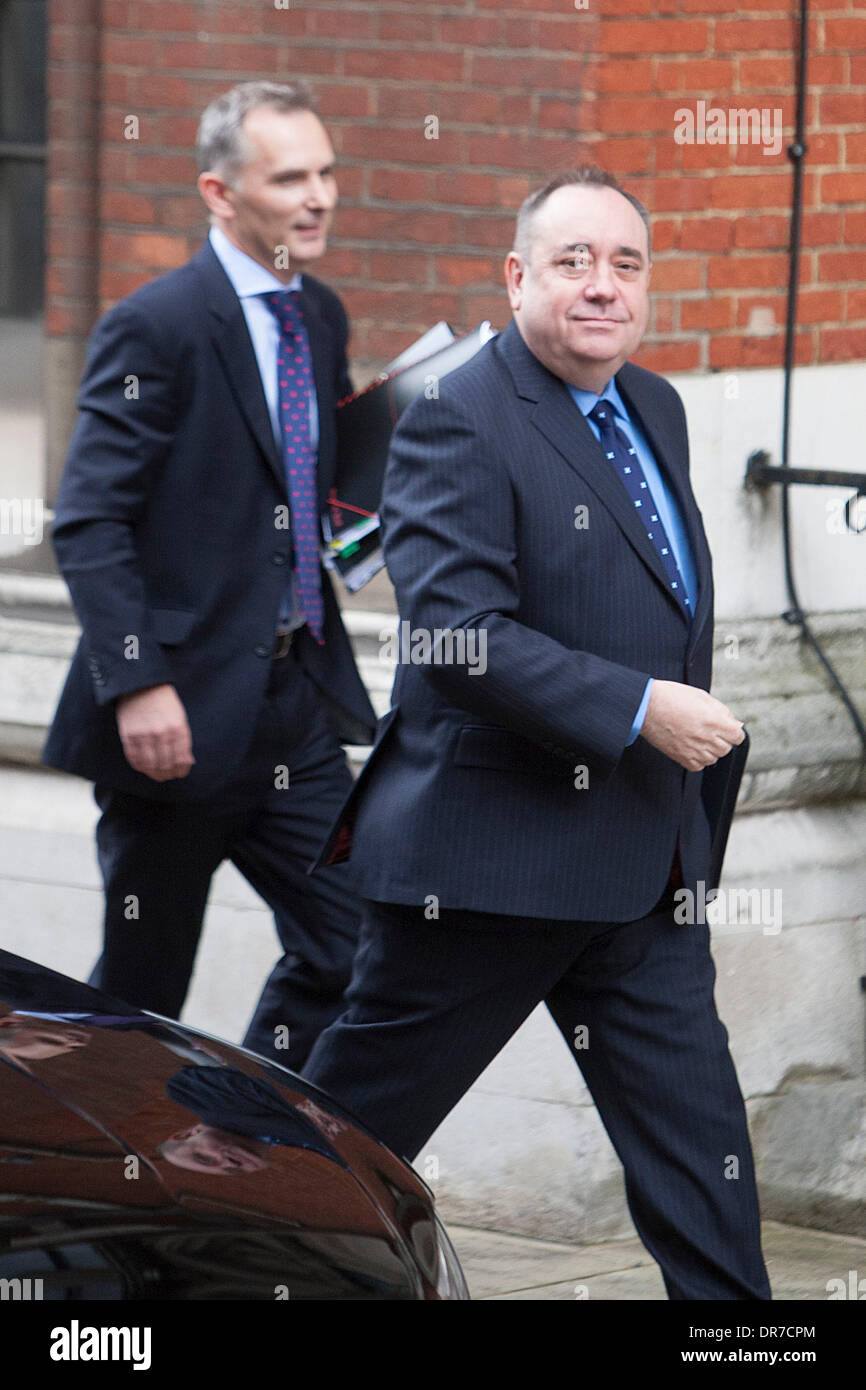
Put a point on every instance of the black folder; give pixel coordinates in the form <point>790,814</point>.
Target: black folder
<point>719,790</point>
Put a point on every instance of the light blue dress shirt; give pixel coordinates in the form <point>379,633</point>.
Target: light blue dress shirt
<point>665,503</point>
<point>250,281</point>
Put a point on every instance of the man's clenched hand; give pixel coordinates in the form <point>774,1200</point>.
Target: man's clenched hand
<point>154,731</point>
<point>689,725</point>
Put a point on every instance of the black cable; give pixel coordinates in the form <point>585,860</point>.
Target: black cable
<point>797,154</point>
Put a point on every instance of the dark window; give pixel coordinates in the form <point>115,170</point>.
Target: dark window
<point>22,157</point>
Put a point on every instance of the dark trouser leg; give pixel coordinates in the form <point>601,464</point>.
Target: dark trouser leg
<point>316,915</point>
<point>157,860</point>
<point>657,1063</point>
<point>430,1004</point>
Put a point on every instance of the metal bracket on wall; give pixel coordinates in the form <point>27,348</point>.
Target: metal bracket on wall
<point>760,473</point>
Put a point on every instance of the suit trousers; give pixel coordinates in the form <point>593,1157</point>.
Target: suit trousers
<point>432,1002</point>
<point>157,860</point>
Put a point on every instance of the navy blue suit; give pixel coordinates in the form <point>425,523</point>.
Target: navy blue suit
<point>511,846</point>
<point>170,532</point>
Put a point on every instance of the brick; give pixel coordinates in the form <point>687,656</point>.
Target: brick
<point>855,228</point>
<point>492,306</point>
<point>699,75</point>
<point>472,190</point>
<point>821,228</point>
<point>472,31</point>
<point>665,234</point>
<point>839,108</point>
<point>184,212</point>
<point>405,64</point>
<point>654,36</point>
<point>855,148</point>
<point>628,75</point>
<point>761,232</point>
<point>623,157</point>
<point>855,305</point>
<point>740,191</point>
<point>705,234</point>
<point>755,36</point>
<point>678,273</point>
<point>343,23</point>
<point>118,205</point>
<point>676,195</point>
<point>407,226</point>
<point>820,306</point>
<point>529,74</point>
<point>403,185</point>
<point>843,188</point>
<point>712,312</point>
<point>662,315</point>
<point>630,114</point>
<point>388,305</point>
<point>747,272</point>
<point>343,100</point>
<point>162,169</point>
<point>706,157</point>
<point>845,33</point>
<point>116,284</point>
<point>766,74</point>
<point>495,232</point>
<point>460,271</point>
<point>406,144</point>
<point>835,266</point>
<point>669,357</point>
<point>342,262</point>
<point>400,267</point>
<point>842,344</point>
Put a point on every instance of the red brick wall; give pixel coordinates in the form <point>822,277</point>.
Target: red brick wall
<point>520,88</point>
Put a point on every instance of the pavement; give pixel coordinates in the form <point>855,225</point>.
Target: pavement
<point>500,1267</point>
<point>50,907</point>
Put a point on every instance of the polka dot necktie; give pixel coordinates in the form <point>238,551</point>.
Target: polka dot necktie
<point>624,458</point>
<point>295,379</point>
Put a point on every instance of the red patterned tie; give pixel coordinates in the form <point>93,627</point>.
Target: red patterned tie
<point>295,378</point>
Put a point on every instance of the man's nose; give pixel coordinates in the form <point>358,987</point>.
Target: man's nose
<point>322,193</point>
<point>599,281</point>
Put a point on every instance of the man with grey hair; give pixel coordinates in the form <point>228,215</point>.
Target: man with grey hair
<point>519,833</point>
<point>214,680</point>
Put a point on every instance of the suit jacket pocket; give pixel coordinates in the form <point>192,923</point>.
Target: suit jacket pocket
<point>172,626</point>
<point>482,745</point>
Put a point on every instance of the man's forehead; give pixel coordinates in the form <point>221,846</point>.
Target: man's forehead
<point>271,132</point>
<point>579,214</point>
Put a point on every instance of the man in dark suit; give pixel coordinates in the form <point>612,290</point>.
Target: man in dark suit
<point>534,797</point>
<point>214,677</point>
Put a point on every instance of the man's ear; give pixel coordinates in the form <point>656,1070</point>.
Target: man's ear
<point>213,190</point>
<point>515,270</point>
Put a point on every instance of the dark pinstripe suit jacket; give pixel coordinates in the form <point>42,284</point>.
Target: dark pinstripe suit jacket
<point>470,793</point>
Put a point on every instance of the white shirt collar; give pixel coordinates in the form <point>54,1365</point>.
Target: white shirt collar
<point>247,276</point>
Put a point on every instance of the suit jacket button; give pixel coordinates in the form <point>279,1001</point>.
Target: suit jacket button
<point>278,558</point>
<point>262,650</point>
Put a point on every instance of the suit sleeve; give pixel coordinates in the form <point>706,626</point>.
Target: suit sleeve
<point>450,539</point>
<point>128,409</point>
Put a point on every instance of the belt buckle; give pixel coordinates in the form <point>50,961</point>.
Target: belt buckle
<point>282,644</point>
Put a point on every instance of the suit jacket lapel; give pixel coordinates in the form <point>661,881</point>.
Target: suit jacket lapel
<point>563,425</point>
<point>228,327</point>
<point>644,405</point>
<point>322,352</point>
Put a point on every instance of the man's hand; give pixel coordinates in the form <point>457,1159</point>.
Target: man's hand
<point>689,725</point>
<point>154,732</point>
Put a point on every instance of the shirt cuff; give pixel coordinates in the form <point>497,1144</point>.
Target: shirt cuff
<point>640,716</point>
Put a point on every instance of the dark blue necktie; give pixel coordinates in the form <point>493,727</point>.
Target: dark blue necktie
<point>624,458</point>
<point>295,379</point>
